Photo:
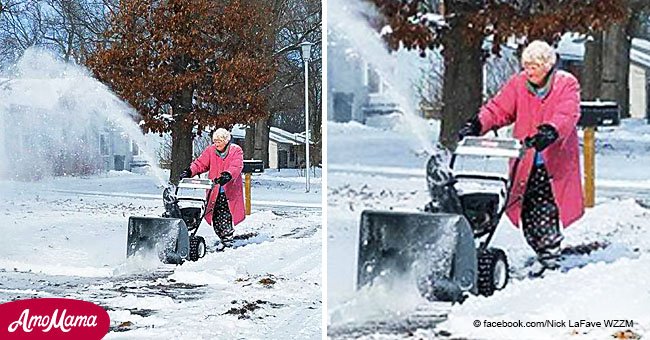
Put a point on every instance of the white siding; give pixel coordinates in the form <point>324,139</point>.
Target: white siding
<point>273,155</point>
<point>638,95</point>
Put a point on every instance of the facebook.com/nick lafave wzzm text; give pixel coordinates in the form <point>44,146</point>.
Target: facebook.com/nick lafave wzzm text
<point>610,323</point>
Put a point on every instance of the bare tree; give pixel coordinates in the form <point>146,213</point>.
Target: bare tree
<point>294,21</point>
<point>499,70</point>
<point>70,28</point>
<point>607,57</point>
<point>429,86</point>
<point>74,26</point>
<point>20,22</point>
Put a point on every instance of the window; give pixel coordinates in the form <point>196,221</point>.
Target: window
<point>343,106</point>
<point>374,80</point>
<point>103,144</point>
<point>135,149</point>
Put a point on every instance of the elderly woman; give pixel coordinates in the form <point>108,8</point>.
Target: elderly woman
<point>224,162</point>
<point>544,105</point>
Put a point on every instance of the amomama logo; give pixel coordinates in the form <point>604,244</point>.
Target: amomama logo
<point>52,318</point>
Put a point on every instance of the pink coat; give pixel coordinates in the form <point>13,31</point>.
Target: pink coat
<point>233,163</point>
<point>559,108</point>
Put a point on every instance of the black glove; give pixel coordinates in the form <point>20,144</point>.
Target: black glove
<point>187,173</point>
<point>545,136</point>
<point>472,127</point>
<point>223,179</point>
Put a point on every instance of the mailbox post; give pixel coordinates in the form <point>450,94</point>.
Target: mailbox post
<point>589,150</point>
<point>593,114</point>
<point>250,167</point>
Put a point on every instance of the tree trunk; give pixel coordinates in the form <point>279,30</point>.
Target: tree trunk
<point>182,137</point>
<point>315,134</point>
<point>592,71</point>
<point>315,122</point>
<point>462,82</point>
<point>616,67</point>
<point>262,141</point>
<point>249,142</point>
<point>181,150</point>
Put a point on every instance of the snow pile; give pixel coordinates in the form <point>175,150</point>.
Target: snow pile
<point>596,293</point>
<point>606,285</point>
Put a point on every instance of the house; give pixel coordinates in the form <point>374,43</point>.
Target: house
<point>572,50</point>
<point>120,152</point>
<point>286,149</point>
<point>57,127</point>
<point>62,126</point>
<point>356,90</point>
<point>238,134</point>
<point>640,79</point>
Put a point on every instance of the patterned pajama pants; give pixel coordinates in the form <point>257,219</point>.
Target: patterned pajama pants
<point>222,219</point>
<point>540,214</point>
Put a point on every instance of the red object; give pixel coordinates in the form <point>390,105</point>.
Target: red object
<point>560,108</point>
<point>52,318</point>
<point>234,189</point>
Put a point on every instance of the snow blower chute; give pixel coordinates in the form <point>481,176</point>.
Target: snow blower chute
<point>172,237</point>
<point>445,249</point>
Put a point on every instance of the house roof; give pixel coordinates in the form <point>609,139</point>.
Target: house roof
<point>572,47</point>
<point>238,131</point>
<point>281,136</point>
<point>640,52</point>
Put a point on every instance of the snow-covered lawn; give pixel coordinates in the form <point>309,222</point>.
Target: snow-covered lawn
<point>384,169</point>
<point>66,237</point>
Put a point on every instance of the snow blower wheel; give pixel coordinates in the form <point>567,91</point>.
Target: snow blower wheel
<point>197,248</point>
<point>492,271</point>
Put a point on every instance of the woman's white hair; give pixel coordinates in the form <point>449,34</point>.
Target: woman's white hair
<point>222,134</point>
<point>539,52</point>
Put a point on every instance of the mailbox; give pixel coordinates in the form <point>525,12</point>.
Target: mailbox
<point>253,166</point>
<point>592,115</point>
<point>599,114</point>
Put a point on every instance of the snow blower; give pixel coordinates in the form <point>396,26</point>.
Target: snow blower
<point>173,236</point>
<point>445,249</point>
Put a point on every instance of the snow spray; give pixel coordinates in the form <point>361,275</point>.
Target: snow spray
<point>378,301</point>
<point>348,19</point>
<point>53,115</point>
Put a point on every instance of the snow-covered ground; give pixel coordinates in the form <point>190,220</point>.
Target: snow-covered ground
<point>66,237</point>
<point>384,169</point>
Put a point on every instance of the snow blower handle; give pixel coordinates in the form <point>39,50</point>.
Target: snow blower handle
<point>488,147</point>
<point>195,183</point>
<point>187,173</point>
